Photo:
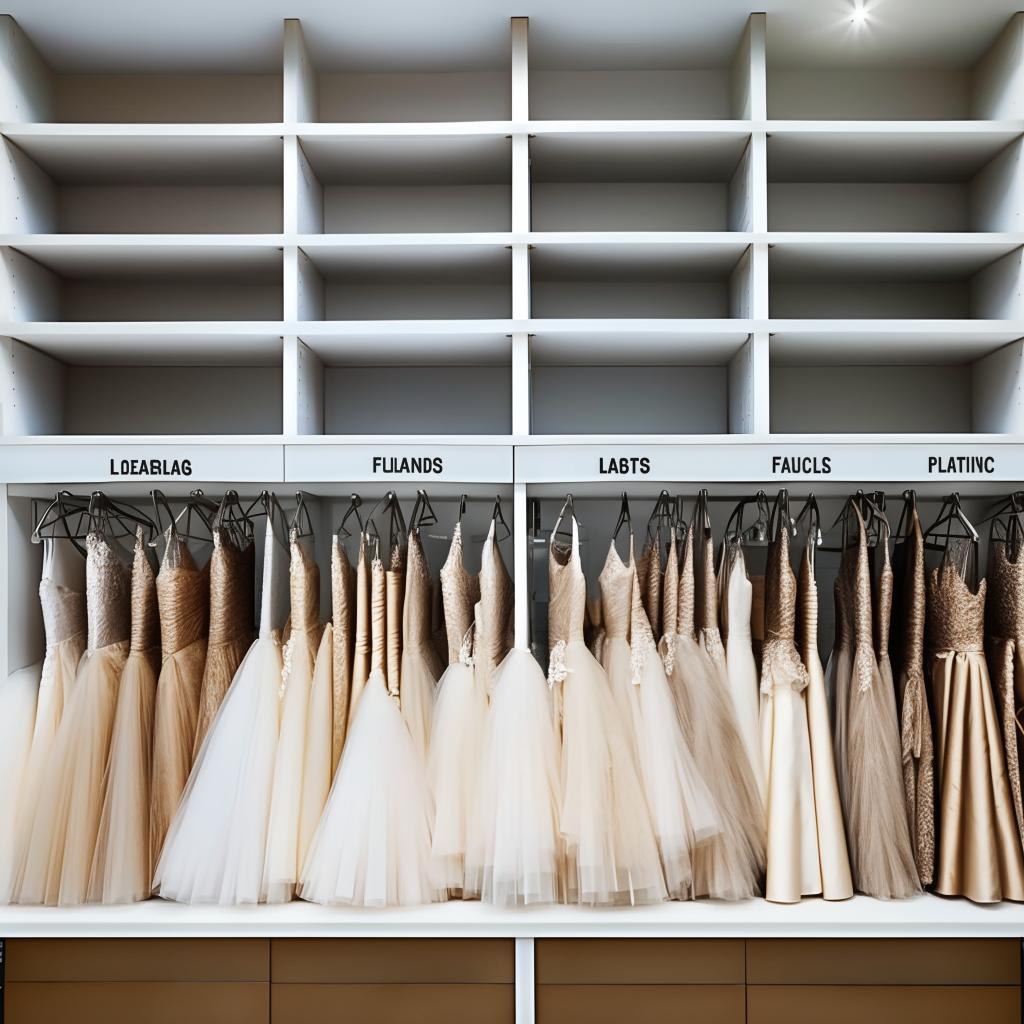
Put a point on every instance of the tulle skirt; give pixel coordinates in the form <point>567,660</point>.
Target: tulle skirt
<point>682,808</point>
<point>216,844</point>
<point>793,869</point>
<point>419,686</point>
<point>285,851</point>
<point>122,871</point>
<point>317,772</point>
<point>869,764</point>
<point>610,850</point>
<point>60,665</point>
<point>744,695</point>
<point>18,698</point>
<point>728,867</point>
<point>512,856</point>
<point>452,767</point>
<point>221,664</point>
<point>174,734</point>
<point>372,848</point>
<point>60,850</point>
<point>616,660</point>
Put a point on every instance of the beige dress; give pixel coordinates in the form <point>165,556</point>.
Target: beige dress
<point>343,623</point>
<point>492,635</point>
<point>979,850</point>
<point>361,636</point>
<point>122,869</point>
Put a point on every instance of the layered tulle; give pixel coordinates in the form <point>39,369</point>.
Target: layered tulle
<point>419,686</point>
<point>215,846</point>
<point>18,697</point>
<point>372,848</point>
<point>512,855</point>
<point>122,864</point>
<point>317,768</point>
<point>452,766</point>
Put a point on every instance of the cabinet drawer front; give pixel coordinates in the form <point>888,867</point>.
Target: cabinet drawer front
<point>129,1002</point>
<point>381,961</point>
<point>392,1004</point>
<point>138,960</point>
<point>882,1004</point>
<point>883,961</point>
<point>640,1004</point>
<point>639,961</point>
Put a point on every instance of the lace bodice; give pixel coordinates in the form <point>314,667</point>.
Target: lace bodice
<point>883,599</point>
<point>651,580</point>
<point>107,594</point>
<point>145,616</point>
<point>687,590</point>
<point>378,616</point>
<point>780,591</point>
<point>1005,612</point>
<point>63,607</point>
<point>416,613</point>
<point>304,587</point>
<point>707,613</point>
<point>232,578</point>
<point>493,633</point>
<point>616,584</point>
<point>394,593</point>
<point>807,611</point>
<point>460,592</point>
<point>183,594</point>
<point>955,616</point>
<point>670,589</point>
<point>910,618</point>
<point>567,601</point>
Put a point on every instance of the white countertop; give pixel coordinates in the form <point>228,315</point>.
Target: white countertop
<point>925,916</point>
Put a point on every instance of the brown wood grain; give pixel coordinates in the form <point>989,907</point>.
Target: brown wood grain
<point>641,1004</point>
<point>639,961</point>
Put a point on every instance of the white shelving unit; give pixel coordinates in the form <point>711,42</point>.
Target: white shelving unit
<point>528,278</point>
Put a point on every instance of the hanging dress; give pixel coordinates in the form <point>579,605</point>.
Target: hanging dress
<point>342,634</point>
<point>1004,623</point>
<point>915,716</point>
<point>216,843</point>
<point>18,696</point>
<point>492,630</point>
<point>741,667</point>
<point>836,881</point>
<point>421,666</point>
<point>979,849</point>
<point>298,796</point>
<point>730,865</point>
<point>62,599</point>
<point>183,596</point>
<point>64,832</point>
<point>361,638</point>
<point>122,869</point>
<point>453,754</point>
<point>232,630</point>
<point>793,868</point>
<point>867,739</point>
<point>372,847</point>
<point>611,853</point>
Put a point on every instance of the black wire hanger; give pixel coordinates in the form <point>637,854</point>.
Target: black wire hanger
<point>108,516</point>
<point>55,519</point>
<point>301,524</point>
<point>498,518</point>
<point>354,503</point>
<point>625,519</point>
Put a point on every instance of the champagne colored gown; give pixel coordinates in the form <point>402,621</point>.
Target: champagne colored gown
<point>729,866</point>
<point>793,858</point>
<point>454,751</point>
<point>216,843</point>
<point>18,696</point>
<point>232,629</point>
<point>915,716</point>
<point>421,666</point>
<point>300,790</point>
<point>183,595</point>
<point>836,880</point>
<point>361,637</point>
<point>979,850</point>
<point>122,868</point>
<point>372,847</point>
<point>867,739</point>
<point>62,600</point>
<point>342,634</point>
<point>492,632</point>
<point>611,853</point>
<point>64,832</point>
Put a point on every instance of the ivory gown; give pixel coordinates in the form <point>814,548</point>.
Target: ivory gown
<point>372,847</point>
<point>217,841</point>
<point>122,866</point>
<point>59,854</point>
<point>62,601</point>
<point>459,715</point>
<point>183,596</point>
<point>915,716</point>
<point>492,630</point>
<point>300,789</point>
<point>793,858</point>
<point>979,849</point>
<point>611,855</point>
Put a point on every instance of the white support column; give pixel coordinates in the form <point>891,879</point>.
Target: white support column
<point>757,36</point>
<point>526,1008</point>
<point>997,81</point>
<point>520,70</point>
<point>303,389</point>
<point>521,575</point>
<point>749,387</point>
<point>748,72</point>
<point>520,384</point>
<point>26,83</point>
<point>32,385</point>
<point>301,99</point>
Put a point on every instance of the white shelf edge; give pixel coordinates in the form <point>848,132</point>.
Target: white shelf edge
<point>197,129</point>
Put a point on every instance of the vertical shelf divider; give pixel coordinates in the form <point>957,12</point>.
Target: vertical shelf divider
<point>998,78</point>
<point>26,83</point>
<point>303,380</point>
<point>301,94</point>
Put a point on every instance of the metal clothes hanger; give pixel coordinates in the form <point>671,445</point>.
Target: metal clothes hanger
<point>266,504</point>
<point>354,503</point>
<point>780,515</point>
<point>812,514</point>
<point>196,504</point>
<point>625,519</point>
<point>570,507</point>
<point>231,516</point>
<point>907,514</point>
<point>951,529</point>
<point>1007,523</point>
<point>110,517</point>
<point>55,520</point>
<point>755,535</point>
<point>301,524</point>
<point>422,513</point>
<point>498,518</point>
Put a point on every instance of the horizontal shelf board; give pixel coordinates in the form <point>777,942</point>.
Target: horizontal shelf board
<point>409,159</point>
<point>869,151</point>
<point>89,255</point>
<point>403,129</point>
<point>409,346</point>
<point>181,155</point>
<point>422,460</point>
<point>907,254</point>
<point>922,917</point>
<point>610,156</point>
<point>366,257</point>
<point>204,343</point>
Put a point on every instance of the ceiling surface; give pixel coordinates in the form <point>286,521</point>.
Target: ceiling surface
<point>226,35</point>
